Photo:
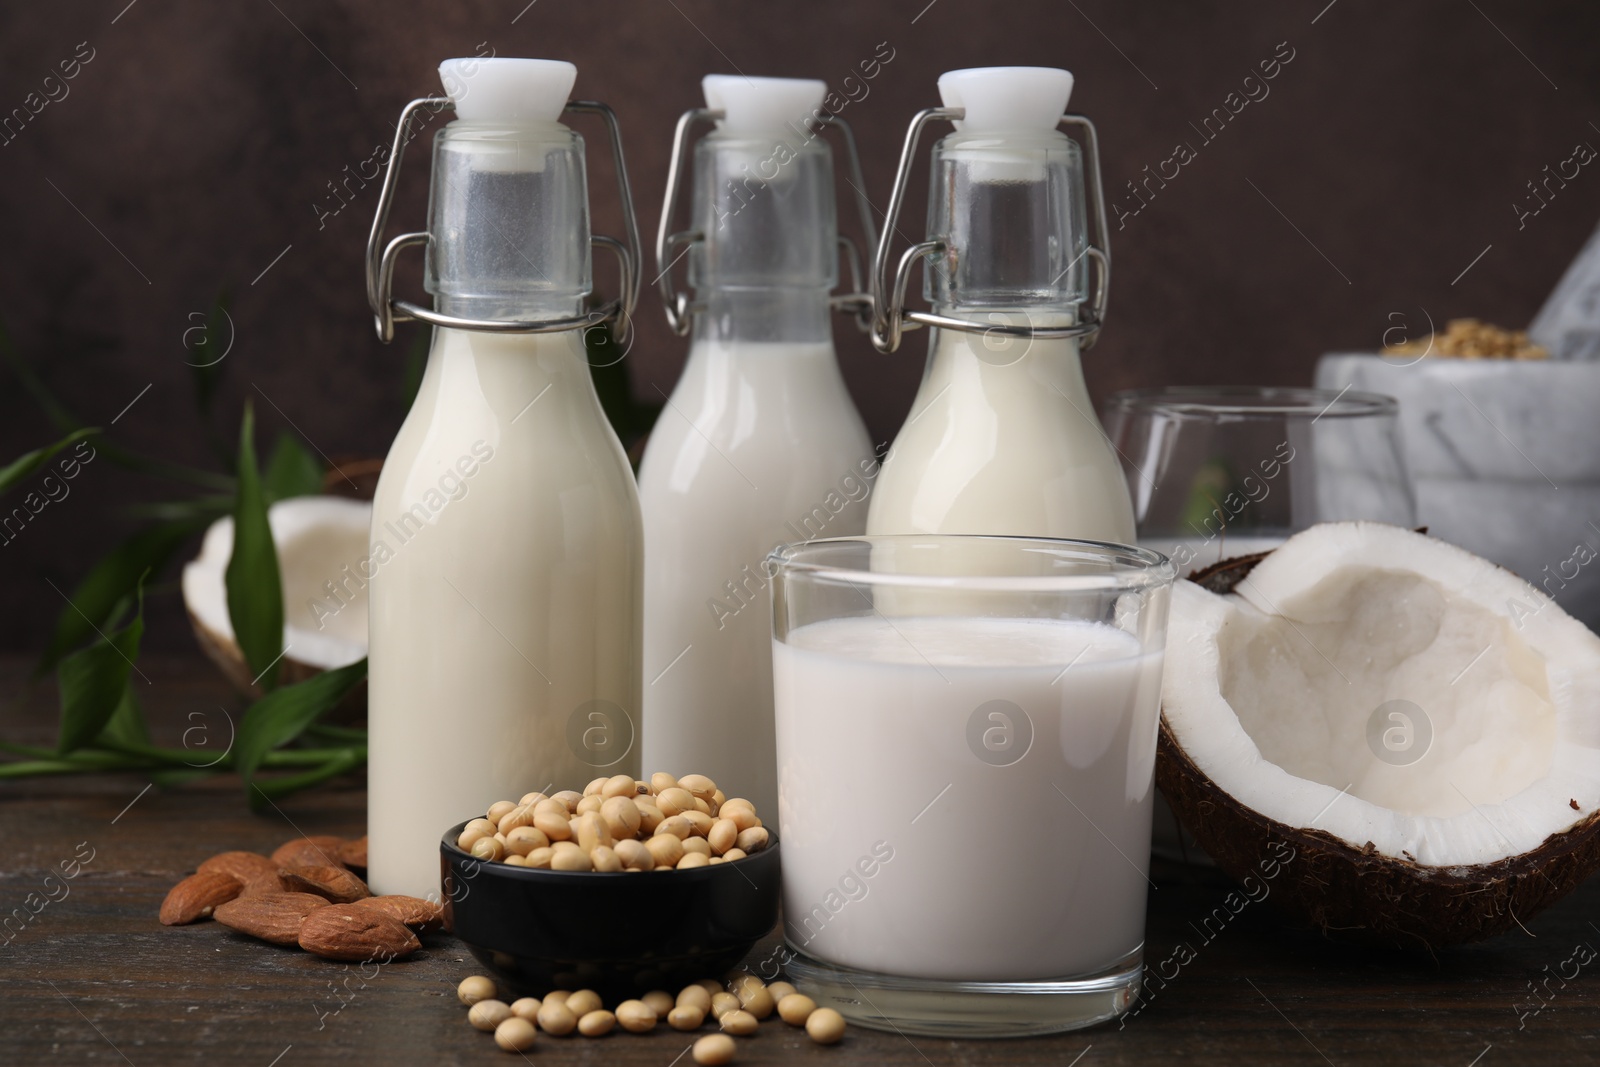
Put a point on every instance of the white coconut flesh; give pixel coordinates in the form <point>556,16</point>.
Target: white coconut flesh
<point>320,539</point>
<point>1271,692</point>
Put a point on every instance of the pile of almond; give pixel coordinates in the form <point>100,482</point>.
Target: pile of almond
<point>307,894</point>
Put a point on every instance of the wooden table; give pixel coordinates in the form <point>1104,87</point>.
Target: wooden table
<point>93,978</point>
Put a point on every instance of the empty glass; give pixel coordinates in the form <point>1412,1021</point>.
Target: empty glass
<point>1228,471</point>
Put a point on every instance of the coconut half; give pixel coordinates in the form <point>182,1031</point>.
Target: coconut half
<point>1419,726</point>
<point>321,541</point>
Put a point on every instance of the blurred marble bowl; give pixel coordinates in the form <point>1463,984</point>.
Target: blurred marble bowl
<point>1505,457</point>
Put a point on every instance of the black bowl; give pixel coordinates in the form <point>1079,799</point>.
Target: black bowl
<point>617,933</point>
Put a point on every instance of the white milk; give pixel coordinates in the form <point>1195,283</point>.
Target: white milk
<point>760,445</point>
<point>905,853</point>
<point>500,614</point>
<point>1000,443</point>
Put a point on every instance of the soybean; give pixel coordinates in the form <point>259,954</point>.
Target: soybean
<point>486,1015</point>
<point>473,989</point>
<point>741,1023</point>
<point>634,855</point>
<point>714,1049</point>
<point>596,1023</point>
<point>636,1016</point>
<point>515,1034</point>
<point>665,849</point>
<point>698,785</point>
<point>583,1002</point>
<point>795,1008</point>
<point>556,1018</point>
<point>686,1017</point>
<point>757,1000</point>
<point>825,1026</point>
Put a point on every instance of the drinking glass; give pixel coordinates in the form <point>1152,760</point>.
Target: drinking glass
<point>966,737</point>
<point>1222,472</point>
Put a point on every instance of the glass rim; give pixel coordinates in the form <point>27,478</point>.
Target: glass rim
<point>1131,567</point>
<point>1243,401</point>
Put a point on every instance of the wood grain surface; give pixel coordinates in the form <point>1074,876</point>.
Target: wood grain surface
<point>93,978</point>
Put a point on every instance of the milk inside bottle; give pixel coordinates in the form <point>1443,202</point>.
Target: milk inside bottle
<point>506,603</point>
<point>1002,437</point>
<point>759,443</point>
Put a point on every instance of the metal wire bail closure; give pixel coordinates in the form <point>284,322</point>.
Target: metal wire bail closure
<point>386,311</point>
<point>891,318</point>
<point>679,308</point>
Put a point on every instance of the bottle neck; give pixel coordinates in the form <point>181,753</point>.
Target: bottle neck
<point>1009,210</point>
<point>764,316</point>
<point>959,360</point>
<point>508,222</point>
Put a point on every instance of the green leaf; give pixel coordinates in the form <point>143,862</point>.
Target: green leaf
<point>31,381</point>
<point>255,591</point>
<point>416,363</point>
<point>25,465</point>
<point>281,716</point>
<point>171,776</point>
<point>292,471</point>
<point>93,682</point>
<point>126,725</point>
<point>67,421</point>
<point>273,788</point>
<point>110,581</point>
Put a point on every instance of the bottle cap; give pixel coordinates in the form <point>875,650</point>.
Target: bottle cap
<point>756,106</point>
<point>1007,98</point>
<point>507,90</point>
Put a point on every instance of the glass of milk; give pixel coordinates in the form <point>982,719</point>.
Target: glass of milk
<point>966,740</point>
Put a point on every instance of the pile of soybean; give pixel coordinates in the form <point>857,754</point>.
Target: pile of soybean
<point>620,824</point>
<point>738,1008</point>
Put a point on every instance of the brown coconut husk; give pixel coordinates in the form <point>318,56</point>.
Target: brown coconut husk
<point>1354,893</point>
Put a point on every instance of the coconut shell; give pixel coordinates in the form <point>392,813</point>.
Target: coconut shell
<point>1357,894</point>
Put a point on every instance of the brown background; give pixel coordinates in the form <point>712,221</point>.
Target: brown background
<point>192,148</point>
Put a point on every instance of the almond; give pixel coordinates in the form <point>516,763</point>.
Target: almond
<point>354,853</point>
<point>265,882</point>
<point>272,917</point>
<point>319,850</point>
<point>245,866</point>
<point>335,883</point>
<point>356,934</point>
<point>424,916</point>
<point>196,896</point>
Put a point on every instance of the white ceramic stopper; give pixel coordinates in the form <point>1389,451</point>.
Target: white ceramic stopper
<point>1007,98</point>
<point>507,90</point>
<point>757,106</point>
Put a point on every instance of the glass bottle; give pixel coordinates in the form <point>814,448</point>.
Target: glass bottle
<point>759,443</point>
<point>506,539</point>
<point>1002,437</point>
